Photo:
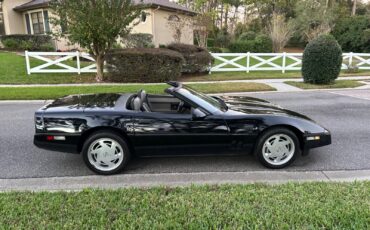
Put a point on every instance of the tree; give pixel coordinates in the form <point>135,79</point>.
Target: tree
<point>95,24</point>
<point>315,17</point>
<point>177,25</point>
<point>279,31</point>
<point>202,24</point>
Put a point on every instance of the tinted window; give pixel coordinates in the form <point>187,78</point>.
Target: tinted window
<point>209,103</point>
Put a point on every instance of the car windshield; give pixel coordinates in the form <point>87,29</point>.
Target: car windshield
<point>209,103</point>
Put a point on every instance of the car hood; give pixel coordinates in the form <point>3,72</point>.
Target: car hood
<point>83,102</point>
<point>255,106</point>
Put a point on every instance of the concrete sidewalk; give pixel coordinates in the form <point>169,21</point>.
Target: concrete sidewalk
<point>178,179</point>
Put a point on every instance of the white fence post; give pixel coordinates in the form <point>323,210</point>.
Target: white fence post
<point>284,62</point>
<point>78,62</point>
<point>27,63</point>
<point>350,59</point>
<point>248,61</point>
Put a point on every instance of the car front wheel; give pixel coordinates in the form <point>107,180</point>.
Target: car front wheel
<point>105,153</point>
<point>277,148</point>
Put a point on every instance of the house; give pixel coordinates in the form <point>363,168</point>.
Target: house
<point>32,17</point>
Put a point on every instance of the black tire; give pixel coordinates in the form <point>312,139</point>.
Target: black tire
<point>265,136</point>
<point>111,135</point>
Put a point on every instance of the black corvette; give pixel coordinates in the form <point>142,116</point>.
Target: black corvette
<point>109,128</point>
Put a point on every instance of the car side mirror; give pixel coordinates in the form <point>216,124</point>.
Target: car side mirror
<point>198,114</point>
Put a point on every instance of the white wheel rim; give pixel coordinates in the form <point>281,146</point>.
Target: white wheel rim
<point>105,154</point>
<point>278,149</point>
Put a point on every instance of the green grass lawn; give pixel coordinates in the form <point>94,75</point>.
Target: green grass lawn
<point>288,206</point>
<point>336,84</point>
<point>13,71</point>
<point>43,93</point>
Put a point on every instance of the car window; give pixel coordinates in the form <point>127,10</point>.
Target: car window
<point>209,103</point>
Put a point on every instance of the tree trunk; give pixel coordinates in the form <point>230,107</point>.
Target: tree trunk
<point>99,68</point>
<point>354,6</point>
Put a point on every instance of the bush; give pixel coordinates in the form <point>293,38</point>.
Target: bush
<point>139,40</point>
<point>322,60</point>
<point>261,44</point>
<point>242,47</point>
<point>26,42</point>
<point>222,39</point>
<point>249,35</point>
<point>215,49</point>
<point>143,65</point>
<point>197,59</point>
<point>10,43</point>
<point>210,42</point>
<point>351,33</point>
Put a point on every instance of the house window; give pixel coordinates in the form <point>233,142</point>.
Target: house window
<point>174,18</point>
<point>143,17</point>
<point>37,22</point>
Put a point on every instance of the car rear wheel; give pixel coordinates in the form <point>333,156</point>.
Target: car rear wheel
<point>105,153</point>
<point>277,148</point>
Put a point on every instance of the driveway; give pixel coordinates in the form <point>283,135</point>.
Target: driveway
<point>346,113</point>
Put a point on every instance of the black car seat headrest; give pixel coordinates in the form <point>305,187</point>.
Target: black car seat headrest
<point>144,98</point>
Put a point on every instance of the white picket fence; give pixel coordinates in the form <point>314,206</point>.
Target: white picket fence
<point>70,62</point>
<point>232,62</point>
<point>52,60</point>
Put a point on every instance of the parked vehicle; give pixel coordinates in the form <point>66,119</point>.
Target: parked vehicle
<point>109,128</point>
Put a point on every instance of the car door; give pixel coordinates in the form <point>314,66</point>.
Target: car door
<point>179,134</point>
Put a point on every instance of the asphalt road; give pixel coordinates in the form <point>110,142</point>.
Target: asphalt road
<point>345,113</point>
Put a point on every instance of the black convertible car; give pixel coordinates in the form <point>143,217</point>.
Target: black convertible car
<point>109,128</point>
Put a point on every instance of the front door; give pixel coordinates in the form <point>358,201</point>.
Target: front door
<point>178,134</point>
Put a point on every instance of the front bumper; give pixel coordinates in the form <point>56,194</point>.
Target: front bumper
<point>69,145</point>
<point>314,140</point>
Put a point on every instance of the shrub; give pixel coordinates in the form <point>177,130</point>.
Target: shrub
<point>351,33</point>
<point>10,43</point>
<point>222,39</point>
<point>139,40</point>
<point>215,49</point>
<point>26,42</point>
<point>210,42</point>
<point>261,44</point>
<point>322,60</point>
<point>249,35</point>
<point>143,65</point>
<point>242,46</point>
<point>197,59</point>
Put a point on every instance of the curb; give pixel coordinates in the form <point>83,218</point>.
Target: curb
<point>178,179</point>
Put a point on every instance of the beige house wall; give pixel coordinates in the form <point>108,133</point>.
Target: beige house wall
<point>13,21</point>
<point>156,23</point>
<point>145,27</point>
<point>163,34</point>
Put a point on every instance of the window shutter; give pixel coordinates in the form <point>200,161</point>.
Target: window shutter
<point>46,21</point>
<point>28,25</point>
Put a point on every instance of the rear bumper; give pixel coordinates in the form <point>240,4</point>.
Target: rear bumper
<point>69,145</point>
<point>316,140</point>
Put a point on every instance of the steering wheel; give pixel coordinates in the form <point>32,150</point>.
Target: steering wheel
<point>180,107</point>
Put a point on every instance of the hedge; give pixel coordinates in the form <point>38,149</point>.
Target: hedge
<point>322,60</point>
<point>27,42</point>
<point>138,40</point>
<point>261,44</point>
<point>197,59</point>
<point>143,65</point>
